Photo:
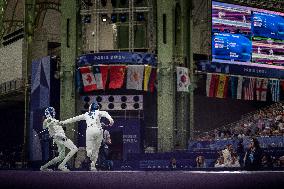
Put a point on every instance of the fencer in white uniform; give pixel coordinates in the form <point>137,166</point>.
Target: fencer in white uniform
<point>57,133</point>
<point>94,132</point>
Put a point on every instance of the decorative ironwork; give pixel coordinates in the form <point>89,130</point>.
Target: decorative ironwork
<point>96,11</point>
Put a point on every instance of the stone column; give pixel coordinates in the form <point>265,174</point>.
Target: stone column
<point>166,86</point>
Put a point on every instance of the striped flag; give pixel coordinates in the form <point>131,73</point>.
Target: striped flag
<point>222,86</point>
<point>249,88</point>
<point>274,89</point>
<point>211,82</point>
<point>147,73</point>
<point>153,80</point>
<point>261,89</point>
<point>240,87</point>
<point>88,78</point>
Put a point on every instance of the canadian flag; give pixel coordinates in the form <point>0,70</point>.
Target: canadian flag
<point>88,78</point>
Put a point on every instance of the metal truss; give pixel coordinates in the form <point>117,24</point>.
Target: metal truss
<point>96,10</point>
<point>151,28</point>
<point>131,19</point>
<point>42,7</point>
<point>47,5</point>
<point>8,25</point>
<point>115,10</point>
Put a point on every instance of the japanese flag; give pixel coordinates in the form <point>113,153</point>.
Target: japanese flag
<point>182,79</point>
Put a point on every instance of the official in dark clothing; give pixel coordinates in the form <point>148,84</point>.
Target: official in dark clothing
<point>253,156</point>
<point>240,152</point>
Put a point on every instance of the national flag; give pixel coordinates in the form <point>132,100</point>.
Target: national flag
<point>274,88</point>
<point>135,77</point>
<point>261,89</point>
<point>234,86</point>
<point>98,77</point>
<point>153,80</point>
<point>116,76</point>
<point>182,79</point>
<point>222,86</point>
<point>249,88</point>
<point>147,73</point>
<point>88,79</point>
<point>104,73</point>
<point>211,83</point>
<point>240,87</point>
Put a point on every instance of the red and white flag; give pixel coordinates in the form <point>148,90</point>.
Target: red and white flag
<point>261,89</point>
<point>88,78</point>
<point>182,79</point>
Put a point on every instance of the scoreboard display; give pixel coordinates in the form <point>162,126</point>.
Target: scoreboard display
<point>247,36</point>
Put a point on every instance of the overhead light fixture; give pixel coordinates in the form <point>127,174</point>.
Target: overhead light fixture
<point>104,17</point>
<point>122,17</point>
<point>113,18</point>
<point>87,19</point>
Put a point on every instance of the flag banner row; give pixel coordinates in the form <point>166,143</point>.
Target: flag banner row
<point>243,88</point>
<point>102,77</point>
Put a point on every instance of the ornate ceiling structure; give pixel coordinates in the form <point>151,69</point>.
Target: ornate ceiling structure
<point>12,14</point>
<point>12,11</point>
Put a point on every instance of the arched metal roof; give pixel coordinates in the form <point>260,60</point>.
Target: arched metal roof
<point>12,14</point>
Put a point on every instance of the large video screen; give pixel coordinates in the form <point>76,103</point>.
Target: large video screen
<point>247,36</point>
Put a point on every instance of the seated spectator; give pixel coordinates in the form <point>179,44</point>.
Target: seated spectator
<point>219,162</point>
<point>227,154</point>
<point>234,162</point>
<point>200,162</point>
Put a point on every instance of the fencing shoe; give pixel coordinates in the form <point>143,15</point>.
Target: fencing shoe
<point>63,168</point>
